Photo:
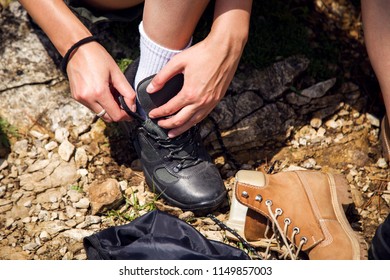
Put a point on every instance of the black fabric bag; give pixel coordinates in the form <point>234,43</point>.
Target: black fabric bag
<point>157,236</point>
<point>380,243</point>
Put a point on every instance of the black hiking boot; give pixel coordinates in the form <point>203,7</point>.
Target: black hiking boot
<point>179,169</point>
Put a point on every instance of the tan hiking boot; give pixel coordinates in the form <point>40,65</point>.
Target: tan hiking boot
<point>294,212</point>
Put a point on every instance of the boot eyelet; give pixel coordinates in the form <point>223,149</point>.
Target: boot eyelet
<point>296,230</point>
<point>304,239</point>
<point>245,194</point>
<point>287,221</point>
<point>258,198</point>
<point>268,202</point>
<point>278,211</point>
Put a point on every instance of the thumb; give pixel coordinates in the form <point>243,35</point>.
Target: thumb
<point>120,83</point>
<point>171,69</point>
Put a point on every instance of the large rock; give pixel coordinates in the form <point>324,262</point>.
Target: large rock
<point>32,89</point>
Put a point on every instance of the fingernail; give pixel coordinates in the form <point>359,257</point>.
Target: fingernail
<point>150,88</point>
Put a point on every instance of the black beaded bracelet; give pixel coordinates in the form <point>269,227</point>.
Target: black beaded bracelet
<point>65,59</point>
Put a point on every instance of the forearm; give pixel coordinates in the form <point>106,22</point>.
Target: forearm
<point>231,23</point>
<point>58,22</point>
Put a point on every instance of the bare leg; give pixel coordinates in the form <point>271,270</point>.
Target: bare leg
<point>113,4</point>
<point>376,19</point>
<point>165,31</point>
<point>171,23</point>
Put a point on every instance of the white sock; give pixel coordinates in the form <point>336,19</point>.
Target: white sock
<point>153,57</point>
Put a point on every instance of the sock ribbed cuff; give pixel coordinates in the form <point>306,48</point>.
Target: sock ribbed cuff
<point>153,56</point>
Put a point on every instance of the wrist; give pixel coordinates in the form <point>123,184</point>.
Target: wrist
<point>234,41</point>
<point>73,49</point>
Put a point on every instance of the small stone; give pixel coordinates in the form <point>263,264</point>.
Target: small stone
<point>9,222</point>
<point>21,147</point>
<point>68,256</point>
<point>44,236</point>
<point>26,220</point>
<point>382,163</point>
<point>37,134</point>
<point>332,124</point>
<point>27,204</point>
<point>51,146</point>
<point>123,185</point>
<point>3,164</point>
<point>77,234</point>
<point>38,165</point>
<point>74,196</point>
<point>309,163</point>
<point>186,216</point>
<point>104,196</point>
<point>374,121</point>
<point>30,246</point>
<point>61,134</point>
<point>71,223</point>
<point>316,122</point>
<point>66,150</point>
<point>2,191</point>
<point>82,203</point>
<point>63,250</point>
<point>81,158</point>
<point>82,172</point>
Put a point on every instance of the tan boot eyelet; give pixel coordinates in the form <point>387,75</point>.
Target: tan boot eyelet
<point>245,194</point>
<point>268,202</point>
<point>296,230</point>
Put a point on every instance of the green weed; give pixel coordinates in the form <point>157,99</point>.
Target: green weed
<point>132,209</point>
<point>6,131</point>
<point>123,63</point>
<point>77,188</point>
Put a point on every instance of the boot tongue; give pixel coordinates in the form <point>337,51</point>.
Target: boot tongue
<point>147,102</point>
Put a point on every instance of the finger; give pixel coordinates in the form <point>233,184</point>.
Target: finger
<point>101,113</point>
<point>170,108</point>
<point>179,119</point>
<point>194,120</point>
<point>109,102</point>
<point>172,68</point>
<point>123,87</point>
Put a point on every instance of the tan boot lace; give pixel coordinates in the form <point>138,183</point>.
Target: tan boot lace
<point>286,247</point>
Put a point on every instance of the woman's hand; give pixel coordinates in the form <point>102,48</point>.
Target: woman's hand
<point>96,82</point>
<point>208,69</point>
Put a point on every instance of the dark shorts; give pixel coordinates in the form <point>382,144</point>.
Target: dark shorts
<point>96,16</point>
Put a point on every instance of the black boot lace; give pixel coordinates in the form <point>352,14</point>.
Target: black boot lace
<point>182,148</point>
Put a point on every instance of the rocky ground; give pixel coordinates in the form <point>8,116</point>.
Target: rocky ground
<point>66,175</point>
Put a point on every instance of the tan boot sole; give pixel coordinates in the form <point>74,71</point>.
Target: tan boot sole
<point>338,188</point>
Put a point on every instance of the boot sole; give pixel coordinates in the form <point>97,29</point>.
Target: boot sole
<point>339,192</point>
